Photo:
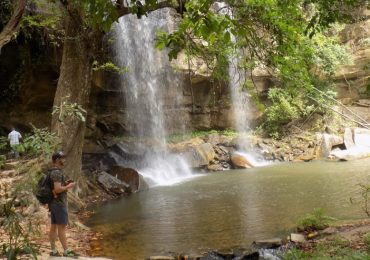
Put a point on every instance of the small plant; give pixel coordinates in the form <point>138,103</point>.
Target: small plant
<point>367,241</point>
<point>40,142</point>
<point>314,221</point>
<point>364,198</point>
<point>3,143</point>
<point>17,231</point>
<point>68,110</point>
<point>2,161</point>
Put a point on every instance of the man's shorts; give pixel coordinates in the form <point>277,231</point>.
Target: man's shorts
<point>58,214</point>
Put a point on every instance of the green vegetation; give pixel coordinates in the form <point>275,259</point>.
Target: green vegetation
<point>338,248</point>
<point>18,229</point>
<point>39,143</point>
<point>367,241</point>
<point>185,136</point>
<point>16,201</point>
<point>314,221</point>
<point>2,161</point>
<point>363,198</point>
<point>69,110</point>
<point>109,66</point>
<point>296,48</point>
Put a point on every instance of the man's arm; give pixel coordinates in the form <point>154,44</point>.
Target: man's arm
<point>58,188</point>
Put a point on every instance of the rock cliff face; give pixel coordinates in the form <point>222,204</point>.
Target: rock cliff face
<point>353,80</point>
<point>28,81</point>
<point>205,103</point>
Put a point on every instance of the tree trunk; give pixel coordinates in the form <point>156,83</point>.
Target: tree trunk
<point>13,25</point>
<point>74,85</point>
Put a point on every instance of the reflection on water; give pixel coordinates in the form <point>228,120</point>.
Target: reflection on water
<point>228,209</point>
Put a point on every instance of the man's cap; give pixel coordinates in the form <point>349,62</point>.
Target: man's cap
<point>58,155</point>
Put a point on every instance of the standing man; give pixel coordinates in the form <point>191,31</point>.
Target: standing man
<point>14,137</point>
<point>58,206</point>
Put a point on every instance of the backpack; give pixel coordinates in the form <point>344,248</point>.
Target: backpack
<point>44,193</point>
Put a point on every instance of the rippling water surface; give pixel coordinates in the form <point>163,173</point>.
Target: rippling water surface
<point>227,209</point>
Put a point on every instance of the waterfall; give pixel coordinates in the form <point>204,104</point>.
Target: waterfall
<point>239,96</point>
<point>147,87</point>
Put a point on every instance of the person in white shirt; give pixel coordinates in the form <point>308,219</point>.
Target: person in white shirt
<point>14,138</point>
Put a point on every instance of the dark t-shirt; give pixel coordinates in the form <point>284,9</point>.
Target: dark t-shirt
<point>56,175</point>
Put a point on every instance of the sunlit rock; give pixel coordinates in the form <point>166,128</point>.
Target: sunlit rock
<point>328,141</point>
<point>348,138</point>
<point>361,137</point>
<point>200,156</point>
<point>240,161</point>
<point>353,153</point>
<point>297,238</point>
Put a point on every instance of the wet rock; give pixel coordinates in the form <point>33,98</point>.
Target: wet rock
<point>93,147</point>
<point>297,238</point>
<point>212,256</point>
<point>348,138</point>
<point>268,243</point>
<point>215,167</point>
<point>127,175</point>
<point>240,161</point>
<point>112,184</point>
<point>161,258</point>
<point>305,158</point>
<point>128,150</point>
<point>222,153</point>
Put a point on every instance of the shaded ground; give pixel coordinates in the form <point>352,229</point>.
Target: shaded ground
<point>35,215</point>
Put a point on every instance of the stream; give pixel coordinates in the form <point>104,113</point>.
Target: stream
<point>227,209</point>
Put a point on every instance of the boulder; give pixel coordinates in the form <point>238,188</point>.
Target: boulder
<point>354,153</point>
<point>112,184</point>
<point>361,137</point>
<point>129,176</point>
<point>215,139</point>
<point>240,161</point>
<point>186,145</point>
<point>328,141</point>
<point>348,138</point>
<point>222,153</point>
<point>268,243</point>
<point>200,156</point>
<point>215,167</point>
<point>297,238</point>
<point>129,150</point>
<point>244,143</point>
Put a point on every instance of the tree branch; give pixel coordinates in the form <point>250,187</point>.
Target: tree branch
<point>13,25</point>
<point>125,10</point>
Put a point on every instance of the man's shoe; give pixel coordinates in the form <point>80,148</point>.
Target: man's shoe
<point>55,253</point>
<point>70,253</point>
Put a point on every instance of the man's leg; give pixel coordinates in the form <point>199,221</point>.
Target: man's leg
<point>53,237</point>
<point>62,235</point>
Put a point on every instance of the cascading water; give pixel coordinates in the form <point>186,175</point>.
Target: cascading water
<point>146,87</point>
<point>239,97</point>
<point>241,101</point>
